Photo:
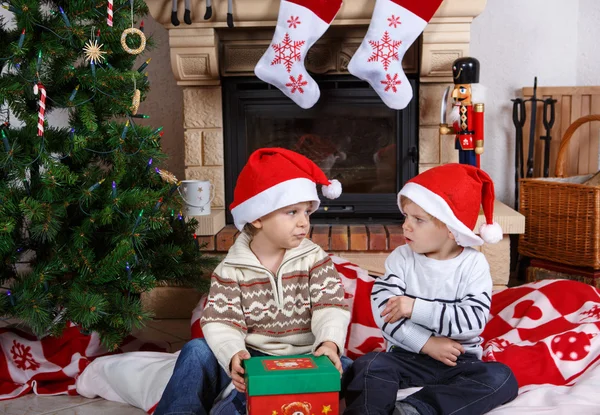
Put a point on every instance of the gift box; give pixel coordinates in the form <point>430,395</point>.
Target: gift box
<point>286,385</point>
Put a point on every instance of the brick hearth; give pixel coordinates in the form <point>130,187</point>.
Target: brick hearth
<point>356,238</point>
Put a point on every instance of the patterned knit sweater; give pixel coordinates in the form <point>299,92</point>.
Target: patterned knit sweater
<point>291,312</point>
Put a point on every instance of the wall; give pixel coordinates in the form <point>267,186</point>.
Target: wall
<point>164,103</point>
<point>588,47</point>
<point>515,40</point>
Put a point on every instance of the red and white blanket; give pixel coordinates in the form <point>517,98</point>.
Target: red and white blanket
<point>546,332</point>
<point>50,366</point>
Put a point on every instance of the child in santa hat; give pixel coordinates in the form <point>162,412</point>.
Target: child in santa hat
<point>433,303</point>
<point>275,293</point>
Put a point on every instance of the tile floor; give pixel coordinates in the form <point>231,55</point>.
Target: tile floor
<point>171,334</point>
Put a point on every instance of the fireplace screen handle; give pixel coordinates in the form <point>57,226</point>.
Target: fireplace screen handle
<point>413,153</point>
<point>335,209</point>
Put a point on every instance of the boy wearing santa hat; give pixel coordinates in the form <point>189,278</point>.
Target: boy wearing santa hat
<point>433,303</point>
<point>275,293</point>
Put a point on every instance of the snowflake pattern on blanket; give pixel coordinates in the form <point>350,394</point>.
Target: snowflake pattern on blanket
<point>51,365</point>
<point>546,332</point>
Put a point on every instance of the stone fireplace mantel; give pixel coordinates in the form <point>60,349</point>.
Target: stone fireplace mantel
<point>195,48</point>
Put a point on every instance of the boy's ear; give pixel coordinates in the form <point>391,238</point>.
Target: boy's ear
<point>257,224</point>
<point>450,234</point>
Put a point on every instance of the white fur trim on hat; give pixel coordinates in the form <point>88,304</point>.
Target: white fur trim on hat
<point>437,207</point>
<point>275,197</point>
<point>333,190</point>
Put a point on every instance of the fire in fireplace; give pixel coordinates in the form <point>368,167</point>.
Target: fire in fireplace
<point>350,134</point>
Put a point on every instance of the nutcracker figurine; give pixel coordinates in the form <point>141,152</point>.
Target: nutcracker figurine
<point>466,117</point>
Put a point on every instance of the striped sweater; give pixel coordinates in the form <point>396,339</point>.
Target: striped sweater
<point>291,312</point>
<point>452,298</point>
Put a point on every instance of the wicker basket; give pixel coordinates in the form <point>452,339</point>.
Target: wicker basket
<point>562,216</point>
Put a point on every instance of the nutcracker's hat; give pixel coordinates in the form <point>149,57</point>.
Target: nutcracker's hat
<point>465,71</point>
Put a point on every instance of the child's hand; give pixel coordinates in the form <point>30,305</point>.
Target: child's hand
<point>397,308</point>
<point>330,350</point>
<point>237,371</point>
<point>443,349</point>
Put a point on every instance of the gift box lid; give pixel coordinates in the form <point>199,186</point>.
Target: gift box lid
<point>280,375</point>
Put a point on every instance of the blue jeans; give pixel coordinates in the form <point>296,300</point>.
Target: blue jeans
<point>198,379</point>
<point>471,387</point>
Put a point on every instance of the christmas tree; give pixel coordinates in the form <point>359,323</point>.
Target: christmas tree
<point>88,220</point>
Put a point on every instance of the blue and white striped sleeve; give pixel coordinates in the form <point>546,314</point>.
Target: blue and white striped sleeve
<point>464,318</point>
<point>404,332</point>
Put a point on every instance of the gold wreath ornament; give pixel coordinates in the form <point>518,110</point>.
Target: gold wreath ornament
<point>133,31</point>
<point>135,104</point>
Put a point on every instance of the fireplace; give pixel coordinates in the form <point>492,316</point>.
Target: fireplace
<point>207,57</point>
<point>350,134</point>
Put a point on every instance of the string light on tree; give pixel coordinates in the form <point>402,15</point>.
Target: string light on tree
<point>158,205</point>
<point>95,186</point>
<point>64,16</point>
<point>144,65</point>
<point>38,64</point>
<point>21,39</point>
<point>137,220</point>
<point>5,141</point>
<point>72,97</point>
<point>10,297</point>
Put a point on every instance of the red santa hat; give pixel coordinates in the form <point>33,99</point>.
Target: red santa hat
<point>453,193</point>
<point>274,178</point>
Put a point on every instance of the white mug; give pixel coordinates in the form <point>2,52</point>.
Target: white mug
<point>197,195</point>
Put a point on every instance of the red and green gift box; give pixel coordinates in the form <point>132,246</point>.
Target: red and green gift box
<point>286,385</point>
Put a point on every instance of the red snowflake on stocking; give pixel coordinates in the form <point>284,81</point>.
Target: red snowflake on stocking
<point>594,312</point>
<point>288,52</point>
<point>394,21</point>
<point>293,22</point>
<point>296,84</point>
<point>391,83</point>
<point>385,50</point>
<point>22,357</point>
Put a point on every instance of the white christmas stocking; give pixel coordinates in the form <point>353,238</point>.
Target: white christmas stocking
<point>395,25</point>
<point>299,25</point>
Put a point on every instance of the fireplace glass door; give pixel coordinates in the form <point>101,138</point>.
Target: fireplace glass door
<point>350,134</point>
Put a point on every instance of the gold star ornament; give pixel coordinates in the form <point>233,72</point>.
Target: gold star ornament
<point>93,53</point>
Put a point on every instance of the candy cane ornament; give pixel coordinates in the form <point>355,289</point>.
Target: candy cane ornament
<point>109,18</point>
<point>42,107</point>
